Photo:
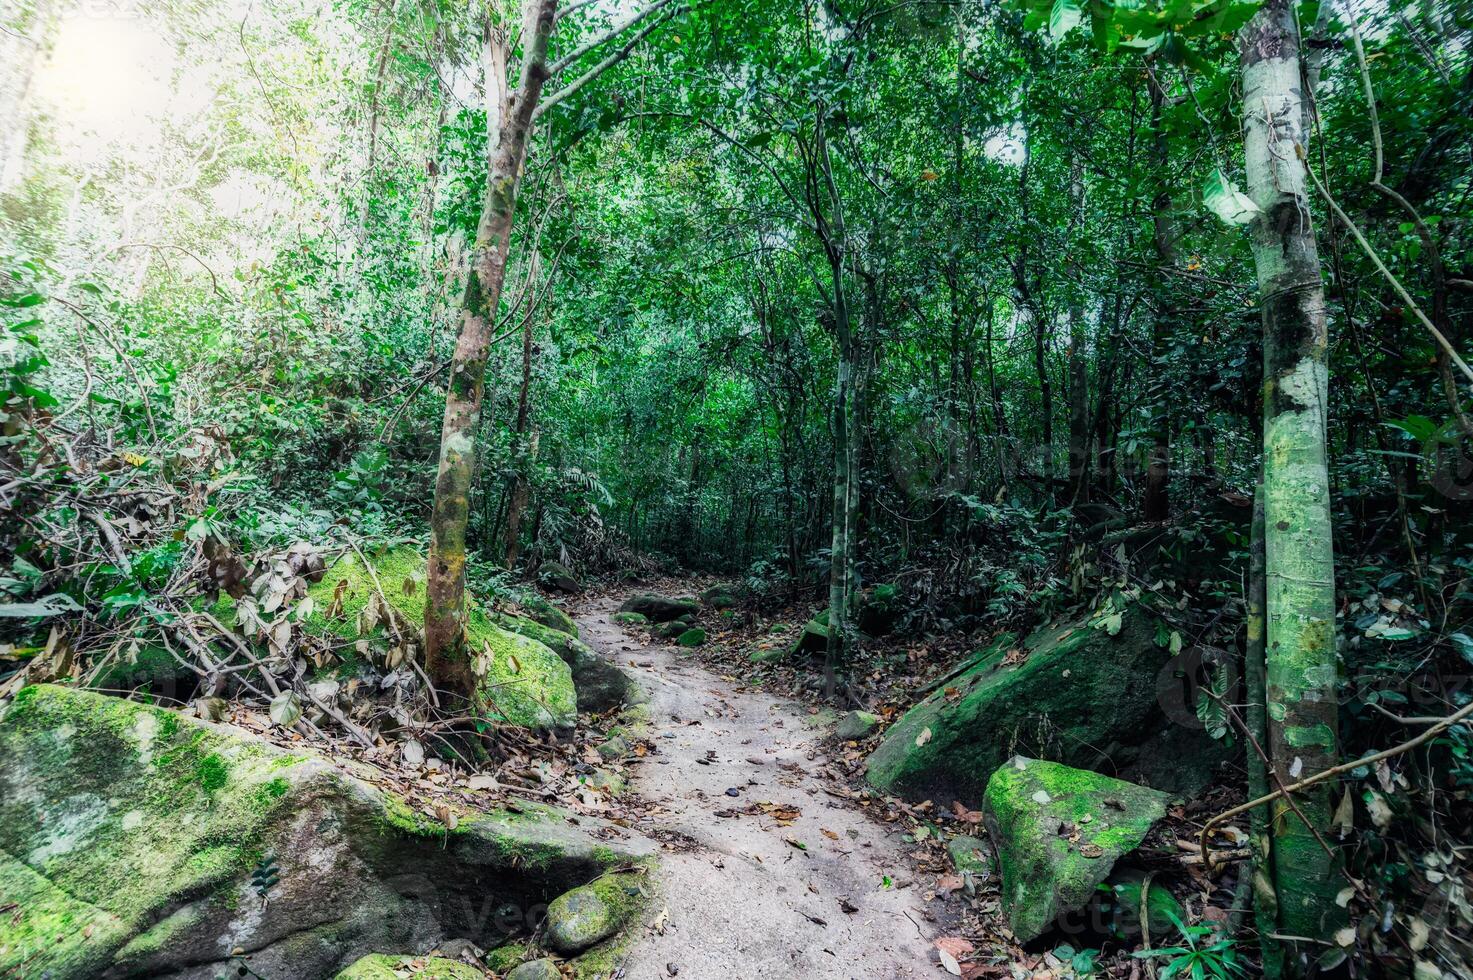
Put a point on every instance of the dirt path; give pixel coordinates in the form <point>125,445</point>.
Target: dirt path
<point>744,903</point>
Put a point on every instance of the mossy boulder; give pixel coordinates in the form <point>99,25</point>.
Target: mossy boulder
<point>1058,832</point>
<point>658,608</point>
<point>692,638</point>
<point>137,842</point>
<point>1082,693</point>
<point>630,619</point>
<point>543,969</point>
<point>814,638</point>
<point>600,684</point>
<point>722,595</point>
<point>591,913</point>
<point>856,725</point>
<point>381,966</point>
<point>541,611</point>
<point>524,682</point>
<point>767,656</point>
<point>556,575</point>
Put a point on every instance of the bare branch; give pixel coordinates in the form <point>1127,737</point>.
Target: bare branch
<point>613,32</point>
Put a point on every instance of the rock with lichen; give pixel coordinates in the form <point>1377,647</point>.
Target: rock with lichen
<point>522,681</point>
<point>138,842</point>
<point>658,608</point>
<point>1058,832</point>
<point>591,913</point>
<point>1087,692</point>
<point>600,685</point>
<point>543,969</point>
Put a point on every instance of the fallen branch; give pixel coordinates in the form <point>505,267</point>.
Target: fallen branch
<point>1437,729</point>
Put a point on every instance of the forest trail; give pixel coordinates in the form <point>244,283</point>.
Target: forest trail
<point>743,901</point>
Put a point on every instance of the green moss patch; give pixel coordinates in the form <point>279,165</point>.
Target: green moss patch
<point>1058,832</point>
<point>524,682</point>
<point>1078,693</point>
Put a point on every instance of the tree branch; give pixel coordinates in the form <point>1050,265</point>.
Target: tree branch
<point>613,32</point>
<point>613,59</point>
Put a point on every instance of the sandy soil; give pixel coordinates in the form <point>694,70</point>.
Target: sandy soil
<point>740,900</point>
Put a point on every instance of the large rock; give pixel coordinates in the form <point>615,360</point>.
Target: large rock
<point>814,638</point>
<point>543,969</point>
<point>1058,832</point>
<point>600,684</point>
<point>556,575</point>
<point>544,612</point>
<point>524,682</point>
<point>856,725</point>
<point>879,608</point>
<point>591,913</point>
<point>136,842</point>
<point>722,595</point>
<point>658,608</point>
<point>1084,693</point>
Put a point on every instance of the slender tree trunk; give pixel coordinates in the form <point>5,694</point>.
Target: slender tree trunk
<point>450,666</point>
<point>1078,365</point>
<point>1156,501</point>
<point>1299,566</point>
<point>526,450</point>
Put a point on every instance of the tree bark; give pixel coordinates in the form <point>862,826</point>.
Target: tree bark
<point>1078,365</point>
<point>527,450</point>
<point>450,665</point>
<point>1156,502</point>
<point>1265,898</point>
<point>1299,570</point>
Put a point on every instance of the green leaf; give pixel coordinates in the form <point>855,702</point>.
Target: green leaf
<point>1464,645</point>
<point>51,605</point>
<point>1223,198</point>
<point>1064,17</point>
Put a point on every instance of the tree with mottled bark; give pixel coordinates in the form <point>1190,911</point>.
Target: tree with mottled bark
<point>1299,570</point>
<point>510,117</point>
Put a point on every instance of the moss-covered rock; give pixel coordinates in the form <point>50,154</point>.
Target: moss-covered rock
<point>692,637</point>
<point>1083,693</point>
<point>544,612</point>
<point>524,682</point>
<point>630,619</point>
<point>814,638</point>
<point>1058,832</point>
<point>591,913</point>
<point>154,668</point>
<point>137,842</point>
<point>722,595</point>
<point>543,969</point>
<point>382,966</point>
<point>856,725</point>
<point>556,575</point>
<point>767,656</point>
<point>658,608</point>
<point>600,684</point>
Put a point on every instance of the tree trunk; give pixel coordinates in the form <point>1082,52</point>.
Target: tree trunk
<point>1299,567</point>
<point>450,666</point>
<point>1156,502</point>
<point>1078,365</point>
<point>526,450</point>
<point>1265,899</point>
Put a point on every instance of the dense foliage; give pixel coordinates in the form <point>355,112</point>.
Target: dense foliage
<point>233,255</point>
